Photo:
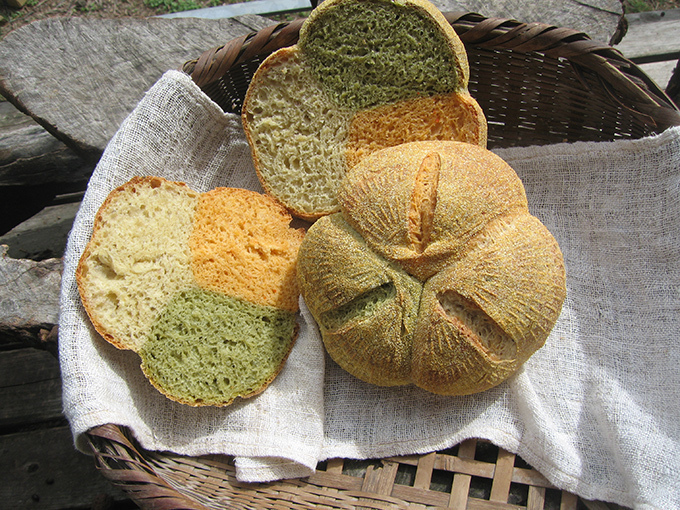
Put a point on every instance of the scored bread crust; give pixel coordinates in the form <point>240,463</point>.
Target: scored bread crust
<point>244,289</point>
<point>434,273</point>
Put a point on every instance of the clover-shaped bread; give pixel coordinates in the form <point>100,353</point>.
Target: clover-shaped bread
<point>364,75</point>
<point>201,285</point>
<point>434,272</point>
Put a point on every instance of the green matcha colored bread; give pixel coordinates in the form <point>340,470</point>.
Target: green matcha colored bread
<point>364,75</point>
<point>434,273</point>
<point>201,285</point>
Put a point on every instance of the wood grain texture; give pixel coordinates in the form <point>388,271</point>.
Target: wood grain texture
<point>653,42</point>
<point>44,235</point>
<point>30,290</point>
<point>42,470</point>
<point>79,78</point>
<point>652,36</point>
<point>598,18</point>
<point>30,387</point>
<point>31,156</point>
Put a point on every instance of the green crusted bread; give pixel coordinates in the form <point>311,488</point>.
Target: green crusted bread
<point>364,75</point>
<point>434,273</point>
<point>201,285</point>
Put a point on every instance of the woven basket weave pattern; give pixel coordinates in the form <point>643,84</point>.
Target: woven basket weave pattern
<point>537,84</point>
<point>474,473</point>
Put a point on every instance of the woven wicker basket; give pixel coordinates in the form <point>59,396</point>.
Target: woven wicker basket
<point>538,84</point>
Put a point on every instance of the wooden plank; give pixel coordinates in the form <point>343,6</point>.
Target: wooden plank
<point>44,235</point>
<point>42,470</point>
<point>569,501</point>
<point>652,36</point>
<point>536,498</point>
<point>660,72</point>
<point>500,488</point>
<point>30,290</point>
<point>424,471</point>
<point>30,156</point>
<point>334,466</point>
<point>461,482</point>
<point>79,78</point>
<point>30,388</point>
<point>597,18</point>
<point>29,301</point>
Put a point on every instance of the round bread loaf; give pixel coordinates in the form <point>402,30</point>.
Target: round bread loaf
<point>201,285</point>
<point>434,272</point>
<point>364,75</point>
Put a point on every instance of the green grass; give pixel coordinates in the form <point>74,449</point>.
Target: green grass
<point>650,5</point>
<point>179,5</point>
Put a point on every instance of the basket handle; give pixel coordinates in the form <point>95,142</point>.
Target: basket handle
<point>215,62</point>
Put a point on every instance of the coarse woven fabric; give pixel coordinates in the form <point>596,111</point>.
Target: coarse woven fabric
<point>595,410</point>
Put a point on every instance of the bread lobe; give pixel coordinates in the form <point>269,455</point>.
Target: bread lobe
<point>474,186</point>
<point>251,256</point>
<point>139,242</point>
<point>228,348</point>
<point>443,117</point>
<point>297,144</point>
<point>369,53</point>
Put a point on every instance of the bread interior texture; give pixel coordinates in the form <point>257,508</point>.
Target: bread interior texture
<point>201,285</point>
<point>207,348</point>
<point>242,245</point>
<point>374,52</point>
<point>138,258</point>
<point>479,327</point>
<point>300,143</point>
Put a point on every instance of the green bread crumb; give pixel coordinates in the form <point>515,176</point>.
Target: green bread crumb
<point>376,52</point>
<point>207,348</point>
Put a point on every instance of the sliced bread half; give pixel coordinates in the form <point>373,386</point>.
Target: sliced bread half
<point>364,75</point>
<point>200,285</point>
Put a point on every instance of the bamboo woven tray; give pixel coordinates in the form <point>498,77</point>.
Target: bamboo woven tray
<point>538,84</point>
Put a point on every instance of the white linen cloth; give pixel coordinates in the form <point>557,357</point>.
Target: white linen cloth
<point>597,410</point>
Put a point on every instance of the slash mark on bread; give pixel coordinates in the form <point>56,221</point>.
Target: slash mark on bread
<point>481,329</point>
<point>424,202</point>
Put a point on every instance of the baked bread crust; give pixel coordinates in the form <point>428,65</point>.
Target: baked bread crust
<point>201,285</point>
<point>434,273</point>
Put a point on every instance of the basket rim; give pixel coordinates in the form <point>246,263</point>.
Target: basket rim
<point>133,469</point>
<point>627,84</point>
